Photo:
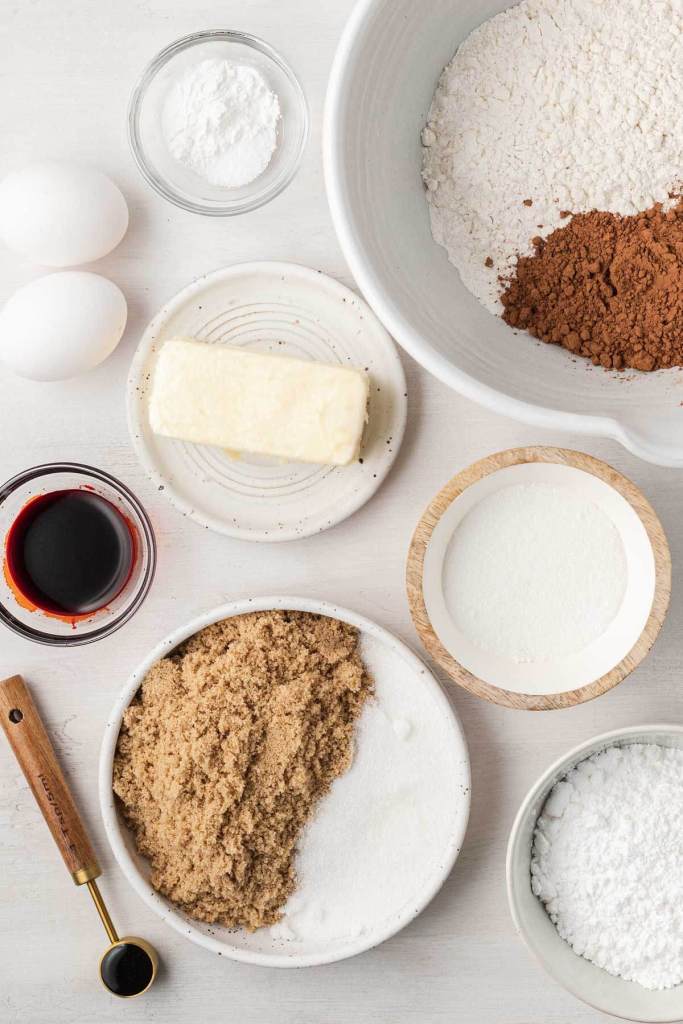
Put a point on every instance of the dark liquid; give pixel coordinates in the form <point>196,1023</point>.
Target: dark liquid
<point>126,969</point>
<point>70,552</point>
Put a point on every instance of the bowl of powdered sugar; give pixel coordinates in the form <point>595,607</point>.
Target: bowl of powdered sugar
<point>218,123</point>
<point>593,872</point>
<point>505,182</point>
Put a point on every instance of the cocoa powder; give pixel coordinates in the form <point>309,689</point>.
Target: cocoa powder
<point>606,287</point>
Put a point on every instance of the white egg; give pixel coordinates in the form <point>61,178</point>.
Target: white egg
<point>61,214</point>
<point>61,325</point>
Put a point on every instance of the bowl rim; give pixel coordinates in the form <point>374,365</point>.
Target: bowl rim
<point>336,184</point>
<point>147,540</point>
<point>553,773</point>
<point>115,829</point>
<point>490,465</point>
<point>137,97</point>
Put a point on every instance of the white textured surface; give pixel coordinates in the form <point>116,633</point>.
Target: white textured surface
<point>461,961</point>
<point>606,862</point>
<point>566,104</point>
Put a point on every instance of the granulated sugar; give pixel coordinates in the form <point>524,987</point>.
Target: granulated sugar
<point>552,106</point>
<point>381,835</point>
<point>535,572</point>
<point>606,862</point>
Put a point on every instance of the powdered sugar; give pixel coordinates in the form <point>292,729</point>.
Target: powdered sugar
<point>535,572</point>
<point>220,120</point>
<point>606,862</point>
<point>572,104</point>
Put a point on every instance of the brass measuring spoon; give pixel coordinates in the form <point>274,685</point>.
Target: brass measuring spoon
<point>129,965</point>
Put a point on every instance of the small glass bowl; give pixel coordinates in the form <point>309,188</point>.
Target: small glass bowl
<point>58,631</point>
<point>177,183</point>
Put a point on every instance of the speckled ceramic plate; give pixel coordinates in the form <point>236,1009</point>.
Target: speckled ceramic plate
<point>404,687</point>
<point>271,307</point>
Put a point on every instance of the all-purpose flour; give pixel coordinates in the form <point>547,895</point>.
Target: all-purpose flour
<point>220,120</point>
<point>607,858</point>
<point>573,105</point>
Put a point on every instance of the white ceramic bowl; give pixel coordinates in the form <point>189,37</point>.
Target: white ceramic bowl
<point>387,658</point>
<point>590,983</point>
<point>384,75</point>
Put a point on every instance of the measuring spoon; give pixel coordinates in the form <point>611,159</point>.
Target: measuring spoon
<point>129,965</point>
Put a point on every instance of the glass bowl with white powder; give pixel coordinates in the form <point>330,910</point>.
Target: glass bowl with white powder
<point>218,123</point>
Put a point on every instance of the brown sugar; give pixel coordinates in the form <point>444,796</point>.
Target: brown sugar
<point>606,287</point>
<point>225,751</point>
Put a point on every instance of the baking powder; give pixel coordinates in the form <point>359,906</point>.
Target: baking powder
<point>220,120</point>
<point>534,573</point>
<point>607,858</point>
<point>569,105</point>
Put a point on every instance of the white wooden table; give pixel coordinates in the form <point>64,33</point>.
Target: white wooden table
<point>66,69</point>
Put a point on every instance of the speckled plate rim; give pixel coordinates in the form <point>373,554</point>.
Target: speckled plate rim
<point>135,406</point>
<point>115,829</point>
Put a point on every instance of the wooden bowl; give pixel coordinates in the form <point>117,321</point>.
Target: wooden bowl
<point>477,472</point>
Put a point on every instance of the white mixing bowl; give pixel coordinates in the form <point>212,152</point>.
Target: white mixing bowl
<point>384,75</point>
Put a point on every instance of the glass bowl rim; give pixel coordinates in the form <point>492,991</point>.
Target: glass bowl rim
<point>158,182</point>
<point>148,542</point>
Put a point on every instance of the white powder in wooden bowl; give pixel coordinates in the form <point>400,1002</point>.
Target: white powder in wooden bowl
<point>534,573</point>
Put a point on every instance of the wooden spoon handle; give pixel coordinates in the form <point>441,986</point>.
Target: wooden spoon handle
<point>34,752</point>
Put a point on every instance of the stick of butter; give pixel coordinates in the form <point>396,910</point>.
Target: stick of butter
<point>262,404</point>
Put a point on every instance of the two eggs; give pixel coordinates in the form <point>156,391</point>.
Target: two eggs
<point>61,215</point>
